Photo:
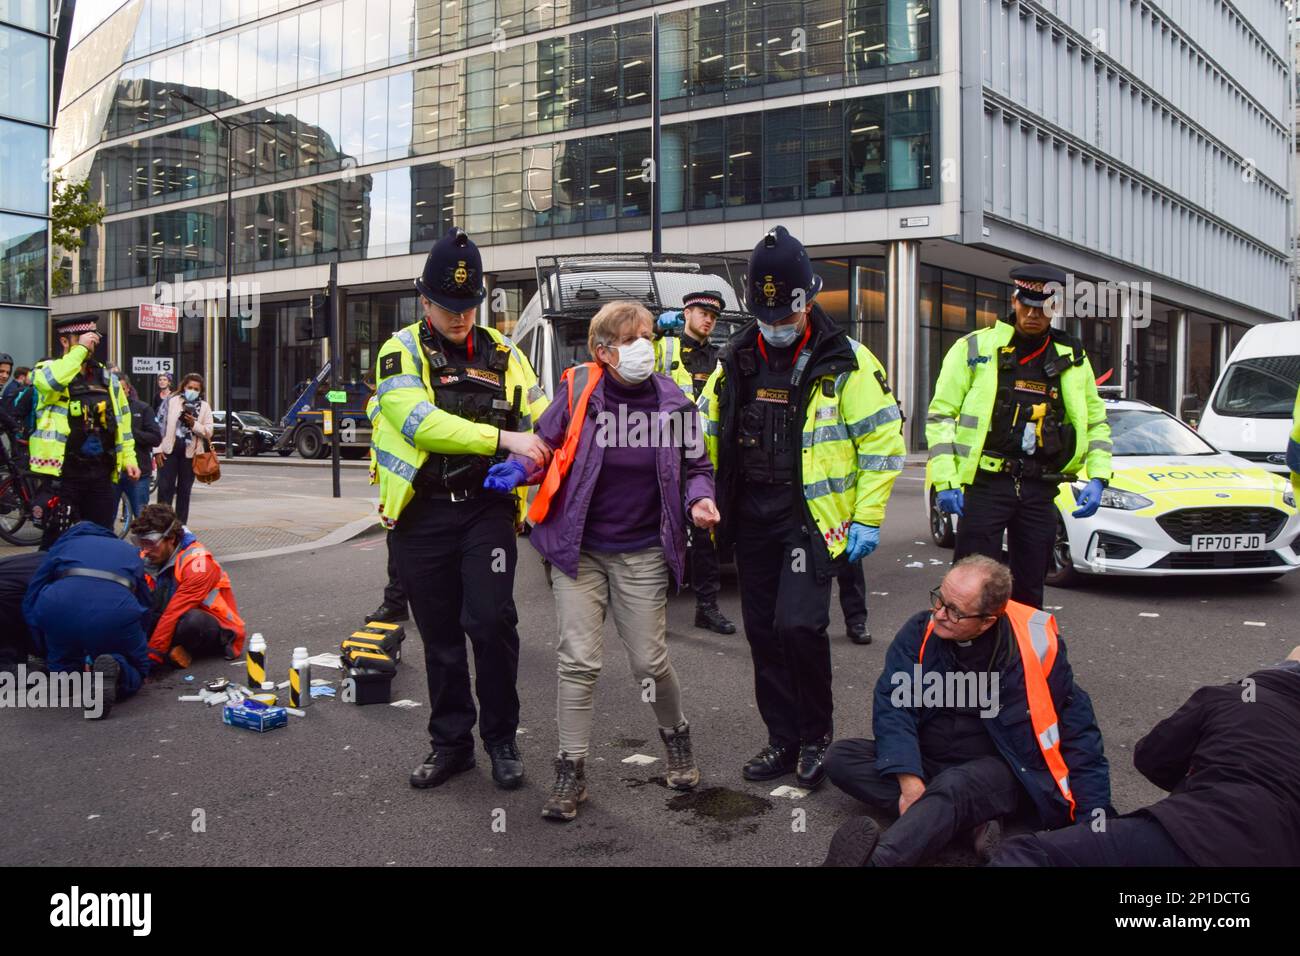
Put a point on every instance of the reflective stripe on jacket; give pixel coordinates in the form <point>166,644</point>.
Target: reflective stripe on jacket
<point>409,426</point>
<point>961,411</point>
<point>48,442</point>
<point>852,435</point>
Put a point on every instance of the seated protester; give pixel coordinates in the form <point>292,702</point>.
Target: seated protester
<point>1230,759</point>
<point>960,763</point>
<point>16,643</point>
<point>194,610</point>
<point>88,602</point>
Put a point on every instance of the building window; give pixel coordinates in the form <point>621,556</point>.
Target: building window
<point>24,75</point>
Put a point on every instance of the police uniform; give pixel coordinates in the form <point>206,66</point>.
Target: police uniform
<point>441,408</point>
<point>807,442</point>
<point>1012,418</point>
<point>82,438</point>
<point>689,362</point>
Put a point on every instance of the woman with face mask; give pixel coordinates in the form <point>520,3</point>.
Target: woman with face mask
<point>613,528</point>
<point>187,426</point>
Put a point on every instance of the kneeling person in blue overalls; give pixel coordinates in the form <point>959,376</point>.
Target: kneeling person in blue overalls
<point>87,603</point>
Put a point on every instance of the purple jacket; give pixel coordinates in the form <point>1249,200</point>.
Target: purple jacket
<point>559,538</point>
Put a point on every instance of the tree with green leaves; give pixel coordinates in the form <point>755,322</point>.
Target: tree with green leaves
<point>71,213</point>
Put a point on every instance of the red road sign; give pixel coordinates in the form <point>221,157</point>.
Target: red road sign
<point>158,318</point>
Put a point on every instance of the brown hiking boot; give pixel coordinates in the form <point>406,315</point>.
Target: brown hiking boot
<point>570,788</point>
<point>682,772</point>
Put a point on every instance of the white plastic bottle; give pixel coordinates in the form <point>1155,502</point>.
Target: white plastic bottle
<point>300,679</point>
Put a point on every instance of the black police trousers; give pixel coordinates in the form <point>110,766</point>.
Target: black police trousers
<point>957,798</point>
<point>705,576</point>
<point>91,494</point>
<point>1136,839</point>
<point>394,596</point>
<point>786,611</point>
<point>456,561</point>
<point>853,592</point>
<point>1029,519</point>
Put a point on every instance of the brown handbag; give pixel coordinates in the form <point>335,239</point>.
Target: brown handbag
<point>207,466</point>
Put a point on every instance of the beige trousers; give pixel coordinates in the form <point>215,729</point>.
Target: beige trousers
<point>633,587</point>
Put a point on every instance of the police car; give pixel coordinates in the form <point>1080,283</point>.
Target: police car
<point>1176,505</point>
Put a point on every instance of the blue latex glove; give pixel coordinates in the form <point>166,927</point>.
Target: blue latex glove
<point>670,322</point>
<point>952,502</point>
<point>863,539</point>
<point>1089,499</point>
<point>504,476</point>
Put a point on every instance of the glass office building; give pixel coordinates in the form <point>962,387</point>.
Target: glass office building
<point>25,121</point>
<point>371,126</point>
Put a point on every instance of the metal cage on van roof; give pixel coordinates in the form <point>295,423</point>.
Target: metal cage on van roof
<point>576,286</point>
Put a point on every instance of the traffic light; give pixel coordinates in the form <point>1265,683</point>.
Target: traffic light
<point>316,324</point>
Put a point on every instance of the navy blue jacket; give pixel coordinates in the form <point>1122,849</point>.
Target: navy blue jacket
<point>82,600</point>
<point>896,728</point>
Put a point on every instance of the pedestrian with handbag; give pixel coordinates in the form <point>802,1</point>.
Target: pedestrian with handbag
<point>187,432</point>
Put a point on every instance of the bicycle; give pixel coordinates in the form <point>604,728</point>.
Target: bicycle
<point>19,487</point>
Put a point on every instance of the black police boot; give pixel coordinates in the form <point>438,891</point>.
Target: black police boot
<point>388,614</point>
<point>107,665</point>
<point>853,843</point>
<point>441,766</point>
<point>507,764</point>
<point>859,633</point>
<point>771,762</point>
<point>708,616</point>
<point>812,763</point>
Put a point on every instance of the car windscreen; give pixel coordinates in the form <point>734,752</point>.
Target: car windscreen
<point>253,418</point>
<point>1262,387</point>
<point>1140,432</point>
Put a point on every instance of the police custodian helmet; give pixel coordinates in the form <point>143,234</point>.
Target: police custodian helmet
<point>779,268</point>
<point>453,273</point>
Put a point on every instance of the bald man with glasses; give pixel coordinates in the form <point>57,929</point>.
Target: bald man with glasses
<point>976,716</point>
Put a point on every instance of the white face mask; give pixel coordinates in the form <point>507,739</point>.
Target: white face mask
<point>635,361</point>
<point>191,394</point>
<point>780,336</point>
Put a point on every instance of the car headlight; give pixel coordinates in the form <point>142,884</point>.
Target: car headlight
<point>1288,496</point>
<point>1116,498</point>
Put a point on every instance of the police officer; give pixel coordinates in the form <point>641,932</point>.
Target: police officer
<point>82,440</point>
<point>1016,412</point>
<point>453,398</point>
<point>688,360</point>
<point>807,443</point>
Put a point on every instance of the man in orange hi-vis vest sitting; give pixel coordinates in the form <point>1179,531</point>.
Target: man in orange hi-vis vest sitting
<point>976,716</point>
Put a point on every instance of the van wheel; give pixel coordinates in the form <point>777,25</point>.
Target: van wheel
<point>309,442</point>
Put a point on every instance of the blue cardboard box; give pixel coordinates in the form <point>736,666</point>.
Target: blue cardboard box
<point>251,715</point>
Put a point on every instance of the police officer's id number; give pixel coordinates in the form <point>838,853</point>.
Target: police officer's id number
<point>1227,542</point>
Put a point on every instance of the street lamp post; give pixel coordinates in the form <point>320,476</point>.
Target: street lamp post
<point>229,346</point>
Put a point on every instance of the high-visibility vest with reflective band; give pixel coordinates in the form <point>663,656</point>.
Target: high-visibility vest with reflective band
<point>668,360</point>
<point>409,426</point>
<point>219,602</point>
<point>852,445</point>
<point>581,380</point>
<point>1035,633</point>
<point>49,440</point>
<point>372,412</point>
<point>961,411</point>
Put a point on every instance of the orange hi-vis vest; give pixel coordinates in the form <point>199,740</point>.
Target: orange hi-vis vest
<point>1035,633</point>
<point>219,601</point>
<point>582,381</point>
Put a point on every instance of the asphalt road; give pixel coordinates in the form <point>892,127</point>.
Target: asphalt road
<point>331,788</point>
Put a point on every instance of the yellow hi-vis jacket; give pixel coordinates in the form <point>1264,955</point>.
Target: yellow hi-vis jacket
<point>668,360</point>
<point>408,426</point>
<point>961,411</point>
<point>50,439</point>
<point>852,435</point>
